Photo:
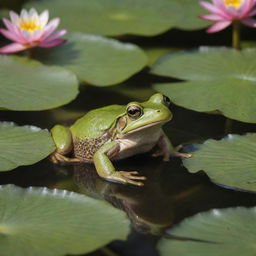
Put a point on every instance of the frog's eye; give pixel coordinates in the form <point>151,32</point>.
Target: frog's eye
<point>134,111</point>
<point>167,101</point>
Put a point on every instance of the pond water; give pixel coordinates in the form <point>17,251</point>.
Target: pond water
<point>170,193</point>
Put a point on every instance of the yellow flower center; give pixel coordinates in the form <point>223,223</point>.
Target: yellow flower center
<point>29,25</point>
<point>234,3</point>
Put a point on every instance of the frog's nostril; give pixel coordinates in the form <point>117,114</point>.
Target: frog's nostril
<point>158,111</point>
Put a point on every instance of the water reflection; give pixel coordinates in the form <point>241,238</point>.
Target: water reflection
<point>169,195</point>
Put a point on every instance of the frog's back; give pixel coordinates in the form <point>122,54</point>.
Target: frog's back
<point>96,122</point>
<point>91,131</point>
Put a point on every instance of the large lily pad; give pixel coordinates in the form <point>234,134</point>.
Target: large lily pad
<point>219,79</point>
<point>191,11</point>
<point>29,85</point>
<point>230,161</point>
<point>95,59</point>
<point>23,145</point>
<point>38,221</point>
<point>229,232</point>
<point>114,17</point>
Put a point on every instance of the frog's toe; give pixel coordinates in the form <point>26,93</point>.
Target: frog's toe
<point>53,158</point>
<point>127,177</point>
<point>157,153</point>
<point>59,158</point>
<point>132,175</point>
<point>180,154</point>
<point>137,183</point>
<point>133,182</point>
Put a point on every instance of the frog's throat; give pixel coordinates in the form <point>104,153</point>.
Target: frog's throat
<point>148,126</point>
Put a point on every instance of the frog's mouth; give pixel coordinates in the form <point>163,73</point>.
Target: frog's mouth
<point>143,127</point>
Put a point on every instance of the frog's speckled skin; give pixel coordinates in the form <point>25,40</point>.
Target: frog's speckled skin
<point>85,149</point>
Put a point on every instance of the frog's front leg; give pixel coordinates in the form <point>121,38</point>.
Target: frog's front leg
<point>166,149</point>
<point>106,170</point>
<point>63,141</point>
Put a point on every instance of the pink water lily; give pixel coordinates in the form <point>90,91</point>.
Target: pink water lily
<point>30,30</point>
<point>224,12</point>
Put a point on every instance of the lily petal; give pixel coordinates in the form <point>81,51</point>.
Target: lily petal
<point>249,22</point>
<point>213,17</point>
<point>36,35</point>
<point>10,35</point>
<point>44,16</point>
<point>252,13</point>
<point>214,9</point>
<point>14,47</point>
<point>23,14</point>
<point>14,17</point>
<point>50,27</point>
<point>245,8</point>
<point>13,30</point>
<point>52,43</point>
<point>218,3</point>
<point>32,12</point>
<point>26,35</point>
<point>56,35</point>
<point>220,25</point>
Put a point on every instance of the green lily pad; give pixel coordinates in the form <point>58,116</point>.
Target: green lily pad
<point>95,59</point>
<point>191,12</point>
<point>39,221</point>
<point>29,85</point>
<point>230,161</point>
<point>229,232</point>
<point>23,145</point>
<point>154,53</point>
<point>113,17</point>
<point>219,79</point>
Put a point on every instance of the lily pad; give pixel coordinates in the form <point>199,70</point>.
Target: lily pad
<point>154,53</point>
<point>219,79</point>
<point>29,85</point>
<point>191,12</point>
<point>230,161</point>
<point>227,232</point>
<point>23,145</point>
<point>114,17</point>
<point>39,221</point>
<point>95,59</point>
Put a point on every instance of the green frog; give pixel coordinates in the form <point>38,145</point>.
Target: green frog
<point>116,132</point>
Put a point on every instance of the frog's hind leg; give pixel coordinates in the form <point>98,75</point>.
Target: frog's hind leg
<point>166,149</point>
<point>56,157</point>
<point>62,138</point>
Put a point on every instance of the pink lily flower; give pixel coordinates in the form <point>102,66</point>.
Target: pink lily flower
<point>224,12</point>
<point>30,30</point>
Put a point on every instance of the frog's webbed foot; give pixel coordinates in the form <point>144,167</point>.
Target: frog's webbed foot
<point>180,154</point>
<point>56,158</point>
<point>127,177</point>
<point>166,153</point>
<point>166,149</point>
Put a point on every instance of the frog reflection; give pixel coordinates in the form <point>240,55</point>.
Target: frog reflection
<point>150,208</point>
<point>170,193</point>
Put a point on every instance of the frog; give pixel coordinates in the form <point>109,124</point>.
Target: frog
<point>115,132</point>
